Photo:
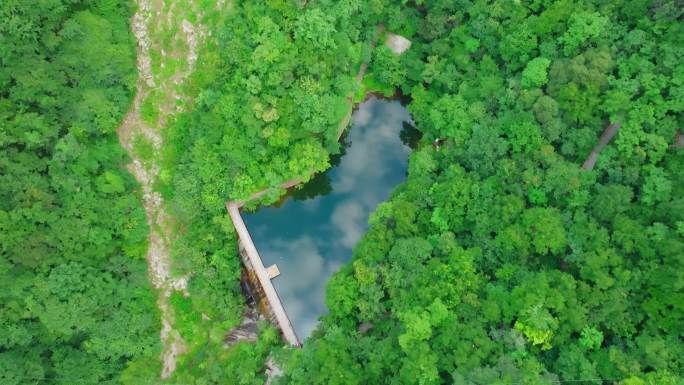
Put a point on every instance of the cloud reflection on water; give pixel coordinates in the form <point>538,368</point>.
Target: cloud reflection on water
<point>310,239</point>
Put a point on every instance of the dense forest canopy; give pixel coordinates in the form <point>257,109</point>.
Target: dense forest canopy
<point>538,239</point>
<point>502,260</point>
<point>75,304</point>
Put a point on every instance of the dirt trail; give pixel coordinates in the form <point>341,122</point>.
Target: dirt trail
<point>151,17</point>
<point>606,137</point>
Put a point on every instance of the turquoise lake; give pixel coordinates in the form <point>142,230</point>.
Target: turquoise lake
<point>312,232</point>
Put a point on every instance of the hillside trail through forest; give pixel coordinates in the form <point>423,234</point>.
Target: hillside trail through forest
<point>151,17</point>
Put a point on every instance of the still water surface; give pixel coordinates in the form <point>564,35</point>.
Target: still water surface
<point>313,232</point>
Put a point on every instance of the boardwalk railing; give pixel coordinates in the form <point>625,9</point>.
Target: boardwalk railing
<point>263,275</point>
<point>245,240</point>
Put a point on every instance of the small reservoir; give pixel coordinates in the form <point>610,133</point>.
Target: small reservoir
<point>312,232</point>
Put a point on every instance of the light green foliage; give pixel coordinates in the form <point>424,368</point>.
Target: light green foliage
<point>387,68</point>
<point>537,325</point>
<point>657,186</point>
<point>545,230</point>
<point>316,28</point>
<point>418,329</point>
<point>148,110</point>
<point>591,338</point>
<point>535,73</point>
<point>240,364</point>
<point>583,27</point>
<point>111,183</point>
<point>144,149</point>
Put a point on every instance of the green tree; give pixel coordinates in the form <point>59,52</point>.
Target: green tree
<point>535,73</point>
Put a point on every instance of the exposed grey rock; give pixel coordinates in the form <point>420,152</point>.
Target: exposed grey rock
<point>365,327</point>
<point>397,43</point>
<point>247,331</point>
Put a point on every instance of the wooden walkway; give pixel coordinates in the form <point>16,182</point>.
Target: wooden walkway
<point>245,240</point>
<point>264,278</point>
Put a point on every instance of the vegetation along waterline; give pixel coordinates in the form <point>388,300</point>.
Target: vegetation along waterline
<point>538,237</point>
<point>311,234</point>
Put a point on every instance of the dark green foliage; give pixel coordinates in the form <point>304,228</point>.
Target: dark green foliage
<point>75,304</point>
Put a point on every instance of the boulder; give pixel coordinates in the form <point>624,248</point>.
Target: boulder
<point>397,43</point>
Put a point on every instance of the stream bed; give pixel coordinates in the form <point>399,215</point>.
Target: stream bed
<point>312,232</point>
